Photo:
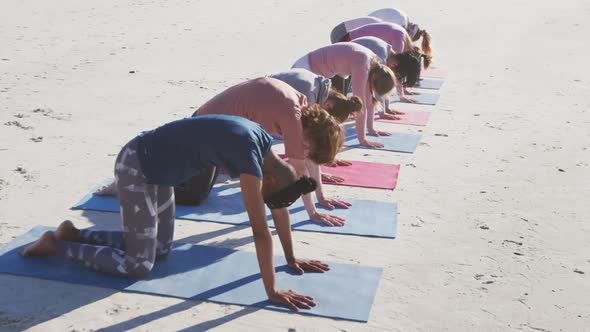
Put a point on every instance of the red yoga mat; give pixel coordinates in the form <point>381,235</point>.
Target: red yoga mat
<point>434,73</point>
<point>413,118</point>
<point>365,174</point>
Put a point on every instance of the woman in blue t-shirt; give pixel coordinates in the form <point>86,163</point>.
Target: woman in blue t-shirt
<point>147,169</point>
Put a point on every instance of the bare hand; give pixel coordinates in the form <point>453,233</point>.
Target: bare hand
<point>407,92</point>
<point>301,265</point>
<point>333,203</point>
<point>326,219</point>
<point>408,100</point>
<point>329,178</point>
<point>390,116</point>
<point>379,133</point>
<point>394,112</point>
<point>338,162</point>
<point>371,143</point>
<point>292,299</point>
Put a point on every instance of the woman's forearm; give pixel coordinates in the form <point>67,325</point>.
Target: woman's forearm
<point>264,253</point>
<point>283,227</point>
<point>315,171</point>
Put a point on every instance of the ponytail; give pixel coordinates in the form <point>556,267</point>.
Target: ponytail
<point>426,41</point>
<point>323,134</point>
<point>343,107</point>
<point>427,59</point>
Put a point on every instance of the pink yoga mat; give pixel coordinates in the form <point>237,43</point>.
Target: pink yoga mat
<point>413,118</point>
<point>365,174</point>
<point>434,73</point>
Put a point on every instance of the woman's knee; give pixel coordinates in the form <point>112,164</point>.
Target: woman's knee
<point>141,269</point>
<point>163,250</point>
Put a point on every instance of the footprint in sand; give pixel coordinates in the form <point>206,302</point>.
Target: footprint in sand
<point>48,112</point>
<point>18,125</point>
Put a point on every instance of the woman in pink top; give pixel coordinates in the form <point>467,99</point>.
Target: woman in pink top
<point>393,34</point>
<point>367,74</point>
<point>311,135</point>
<point>343,28</point>
<point>397,16</point>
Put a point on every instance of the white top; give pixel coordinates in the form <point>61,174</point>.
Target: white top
<point>359,22</point>
<point>391,15</point>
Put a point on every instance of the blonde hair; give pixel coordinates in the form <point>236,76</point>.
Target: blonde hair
<point>381,79</point>
<point>426,58</point>
<point>323,133</point>
<point>426,42</point>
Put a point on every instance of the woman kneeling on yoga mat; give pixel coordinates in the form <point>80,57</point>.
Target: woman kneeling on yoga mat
<point>406,66</point>
<point>312,137</point>
<point>282,111</point>
<point>397,16</point>
<point>150,165</point>
<point>367,74</point>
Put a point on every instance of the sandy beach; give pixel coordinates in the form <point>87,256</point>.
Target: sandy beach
<point>493,231</point>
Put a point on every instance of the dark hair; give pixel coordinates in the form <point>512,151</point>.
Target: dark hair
<point>342,106</point>
<point>323,133</point>
<point>408,67</point>
<point>288,195</point>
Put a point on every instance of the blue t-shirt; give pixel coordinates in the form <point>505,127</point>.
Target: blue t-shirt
<point>174,152</point>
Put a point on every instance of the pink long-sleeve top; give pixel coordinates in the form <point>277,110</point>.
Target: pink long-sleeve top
<point>393,34</point>
<point>273,104</point>
<point>348,59</point>
<point>360,21</point>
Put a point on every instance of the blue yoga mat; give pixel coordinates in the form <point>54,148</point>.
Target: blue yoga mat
<point>423,98</point>
<point>214,274</point>
<point>225,205</point>
<point>397,142</point>
<point>429,83</point>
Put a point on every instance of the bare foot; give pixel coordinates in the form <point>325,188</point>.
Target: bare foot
<point>45,246</point>
<point>108,190</point>
<point>67,232</point>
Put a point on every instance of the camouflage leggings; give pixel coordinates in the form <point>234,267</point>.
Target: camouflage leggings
<point>147,215</point>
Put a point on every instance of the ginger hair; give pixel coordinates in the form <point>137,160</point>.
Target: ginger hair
<point>323,133</point>
<point>427,59</point>
<point>342,106</point>
<point>426,42</point>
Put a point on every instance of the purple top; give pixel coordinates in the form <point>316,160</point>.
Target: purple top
<point>393,34</point>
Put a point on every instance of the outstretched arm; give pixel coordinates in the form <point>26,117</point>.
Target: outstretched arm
<point>364,120</point>
<point>283,226</point>
<point>316,172</point>
<point>314,215</point>
<point>252,194</point>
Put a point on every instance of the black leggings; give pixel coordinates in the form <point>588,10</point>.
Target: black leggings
<point>196,189</point>
<point>341,84</point>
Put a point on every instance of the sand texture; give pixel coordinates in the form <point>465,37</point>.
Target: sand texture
<point>493,231</point>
